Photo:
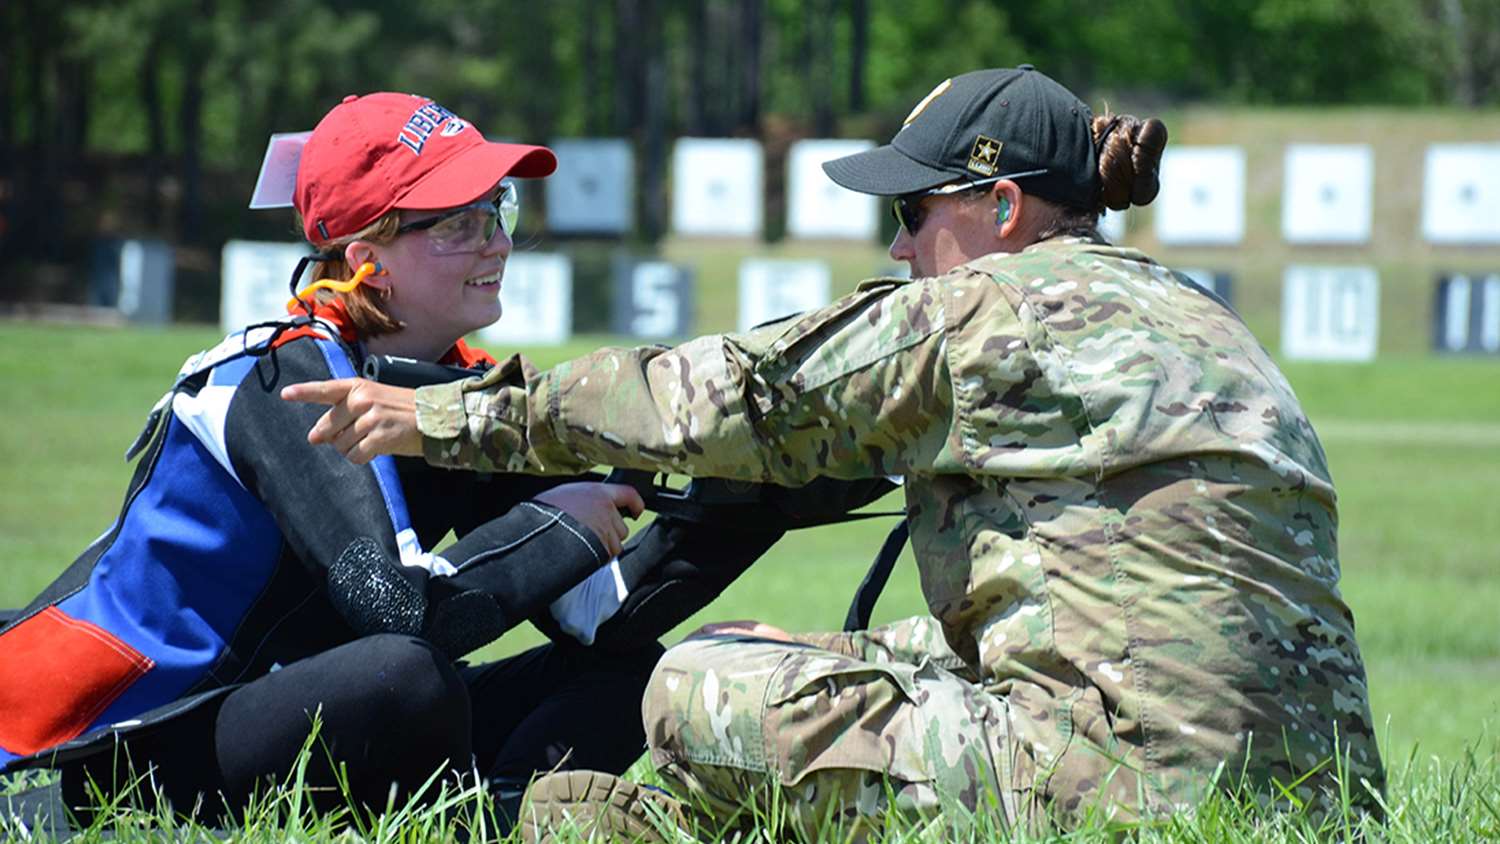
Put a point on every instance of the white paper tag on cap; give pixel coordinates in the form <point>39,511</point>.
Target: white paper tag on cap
<point>278,173</point>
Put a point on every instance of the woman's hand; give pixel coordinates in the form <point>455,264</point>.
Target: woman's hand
<point>753,629</point>
<point>367,418</point>
<point>600,507</point>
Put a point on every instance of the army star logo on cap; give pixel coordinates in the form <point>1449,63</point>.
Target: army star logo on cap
<point>984,158</point>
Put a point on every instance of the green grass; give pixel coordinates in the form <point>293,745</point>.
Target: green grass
<point>1413,441</point>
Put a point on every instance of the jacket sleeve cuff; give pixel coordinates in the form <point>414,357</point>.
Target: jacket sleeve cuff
<point>442,420</point>
<point>478,424</point>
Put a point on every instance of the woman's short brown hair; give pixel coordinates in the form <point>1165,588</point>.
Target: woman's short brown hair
<point>365,305</point>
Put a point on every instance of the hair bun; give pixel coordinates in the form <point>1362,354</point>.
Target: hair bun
<point>1129,151</point>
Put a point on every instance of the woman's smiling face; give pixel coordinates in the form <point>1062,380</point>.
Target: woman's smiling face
<point>441,295</point>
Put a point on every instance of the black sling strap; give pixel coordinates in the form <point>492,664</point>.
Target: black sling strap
<point>875,579</point>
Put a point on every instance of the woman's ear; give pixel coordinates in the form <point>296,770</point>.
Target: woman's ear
<point>361,252</point>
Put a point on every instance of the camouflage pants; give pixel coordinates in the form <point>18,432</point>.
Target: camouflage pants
<point>843,737</point>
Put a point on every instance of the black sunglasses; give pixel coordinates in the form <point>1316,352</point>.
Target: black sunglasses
<point>907,208</point>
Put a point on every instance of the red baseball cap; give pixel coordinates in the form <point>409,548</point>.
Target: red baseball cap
<point>382,151</point>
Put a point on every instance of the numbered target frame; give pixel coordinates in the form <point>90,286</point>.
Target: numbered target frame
<point>1466,314</point>
<point>653,300</point>
<point>1202,199</point>
<point>254,281</point>
<point>818,207</point>
<point>1330,313</point>
<point>717,187</point>
<point>771,289</point>
<point>536,298</point>
<point>1326,194</point>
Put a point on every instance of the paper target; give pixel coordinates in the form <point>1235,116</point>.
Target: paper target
<point>592,191</point>
<point>817,207</point>
<point>717,187</point>
<point>1202,199</point>
<point>1461,194</point>
<point>1326,193</point>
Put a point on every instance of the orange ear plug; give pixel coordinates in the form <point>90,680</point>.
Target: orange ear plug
<point>365,270</point>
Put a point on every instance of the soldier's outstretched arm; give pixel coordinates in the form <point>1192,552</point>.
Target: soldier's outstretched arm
<point>857,389</point>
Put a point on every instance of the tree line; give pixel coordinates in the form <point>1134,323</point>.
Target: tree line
<point>150,116</point>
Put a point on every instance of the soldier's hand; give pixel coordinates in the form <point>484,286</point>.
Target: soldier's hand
<point>599,507</point>
<point>366,418</point>
<point>753,629</point>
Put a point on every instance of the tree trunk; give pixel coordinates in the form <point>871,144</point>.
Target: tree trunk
<point>817,21</point>
<point>697,100</point>
<point>718,75</point>
<point>263,108</point>
<point>593,121</point>
<point>859,45</point>
<point>27,208</point>
<point>156,139</point>
<point>654,124</point>
<point>190,124</point>
<point>749,68</point>
<point>1462,78</point>
<point>41,206</point>
<point>8,105</point>
<point>629,74</point>
<point>74,94</point>
<point>1484,22</point>
<point>538,109</point>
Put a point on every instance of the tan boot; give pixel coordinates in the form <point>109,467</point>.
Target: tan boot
<point>599,806</point>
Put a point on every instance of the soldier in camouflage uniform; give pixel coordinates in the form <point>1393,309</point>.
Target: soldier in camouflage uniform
<point>1124,524</point>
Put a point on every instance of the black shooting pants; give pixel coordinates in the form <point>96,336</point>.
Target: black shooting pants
<point>392,710</point>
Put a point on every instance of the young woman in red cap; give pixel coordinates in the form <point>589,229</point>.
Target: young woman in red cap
<point>253,582</point>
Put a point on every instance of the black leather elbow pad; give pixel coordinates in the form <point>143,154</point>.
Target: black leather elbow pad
<point>369,590</point>
<point>465,622</point>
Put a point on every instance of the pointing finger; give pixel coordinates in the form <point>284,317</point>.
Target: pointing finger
<point>320,392</point>
<point>331,426</point>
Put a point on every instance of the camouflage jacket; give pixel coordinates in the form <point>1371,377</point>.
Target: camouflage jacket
<point>1123,521</point>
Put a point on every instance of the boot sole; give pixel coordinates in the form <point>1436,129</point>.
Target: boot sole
<point>594,803</point>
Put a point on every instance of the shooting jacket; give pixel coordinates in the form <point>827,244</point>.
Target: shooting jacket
<point>241,547</point>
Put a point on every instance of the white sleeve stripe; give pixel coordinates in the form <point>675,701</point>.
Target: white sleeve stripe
<point>552,519</point>
<point>579,536</point>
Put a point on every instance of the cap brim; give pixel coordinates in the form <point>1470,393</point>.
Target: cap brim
<point>472,173</point>
<point>885,171</point>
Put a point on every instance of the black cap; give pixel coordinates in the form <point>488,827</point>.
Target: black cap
<point>979,125</point>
